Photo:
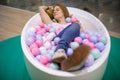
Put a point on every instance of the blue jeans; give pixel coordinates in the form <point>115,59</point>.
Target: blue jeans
<point>67,35</point>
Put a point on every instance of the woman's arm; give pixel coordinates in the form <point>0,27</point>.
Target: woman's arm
<point>44,16</point>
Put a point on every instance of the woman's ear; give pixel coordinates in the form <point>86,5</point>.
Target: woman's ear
<point>49,11</point>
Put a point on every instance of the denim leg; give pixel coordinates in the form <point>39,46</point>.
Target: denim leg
<point>68,35</point>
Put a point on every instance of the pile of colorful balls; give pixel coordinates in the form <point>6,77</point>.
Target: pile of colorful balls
<point>42,42</point>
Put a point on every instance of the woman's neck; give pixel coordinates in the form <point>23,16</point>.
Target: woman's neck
<point>62,21</point>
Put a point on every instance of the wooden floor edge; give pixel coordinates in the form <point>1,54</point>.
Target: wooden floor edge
<point>17,9</point>
<point>115,34</point>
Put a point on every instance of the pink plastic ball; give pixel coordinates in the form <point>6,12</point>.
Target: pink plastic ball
<point>44,59</point>
<point>43,30</point>
<point>92,45</point>
<point>85,41</point>
<point>73,19</point>
<point>47,28</point>
<point>87,36</point>
<point>37,28</point>
<point>40,33</point>
<point>35,51</point>
<point>41,24</point>
<point>78,40</point>
<point>34,45</point>
<point>47,65</point>
<point>39,43</point>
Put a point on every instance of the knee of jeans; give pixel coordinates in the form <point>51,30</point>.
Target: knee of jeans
<point>76,26</point>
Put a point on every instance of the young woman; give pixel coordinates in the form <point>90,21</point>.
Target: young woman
<point>70,31</point>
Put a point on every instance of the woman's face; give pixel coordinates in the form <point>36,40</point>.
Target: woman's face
<point>58,13</point>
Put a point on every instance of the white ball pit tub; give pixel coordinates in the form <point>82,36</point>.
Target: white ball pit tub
<point>95,72</point>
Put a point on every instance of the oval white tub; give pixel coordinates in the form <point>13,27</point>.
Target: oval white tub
<point>95,72</point>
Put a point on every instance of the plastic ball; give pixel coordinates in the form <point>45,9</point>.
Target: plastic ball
<point>69,52</point>
<point>31,33</point>
<point>68,19</point>
<point>44,59</point>
<point>54,66</point>
<point>38,57</point>
<point>47,45</point>
<point>87,36</point>
<point>39,43</point>
<point>39,37</point>
<point>100,46</point>
<point>51,52</point>
<point>92,45</point>
<point>52,29</point>
<point>103,39</point>
<point>78,40</point>
<point>53,48</point>
<point>35,51</point>
<point>95,53</point>
<point>56,40</point>
<point>41,24</point>
<point>98,35</point>
<point>82,35</point>
<point>47,28</point>
<point>34,45</point>
<point>30,40</point>
<point>43,51</point>
<point>94,39</point>
<point>40,33</point>
<point>49,57</point>
<point>37,28</point>
<point>42,48</point>
<point>89,61</point>
<point>74,45</point>
<point>51,36</point>
<point>47,65</point>
<point>85,41</point>
<point>73,19</point>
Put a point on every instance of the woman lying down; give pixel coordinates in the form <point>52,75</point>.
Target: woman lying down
<point>59,13</point>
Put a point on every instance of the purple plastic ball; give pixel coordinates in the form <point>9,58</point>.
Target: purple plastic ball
<point>56,40</point>
<point>89,61</point>
<point>100,46</point>
<point>94,39</point>
<point>69,52</point>
<point>82,35</point>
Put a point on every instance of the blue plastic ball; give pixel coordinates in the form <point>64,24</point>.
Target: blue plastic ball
<point>95,53</point>
<point>103,39</point>
<point>54,66</point>
<point>74,45</point>
<point>68,19</point>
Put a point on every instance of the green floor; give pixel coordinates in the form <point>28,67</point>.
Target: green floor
<point>13,67</point>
